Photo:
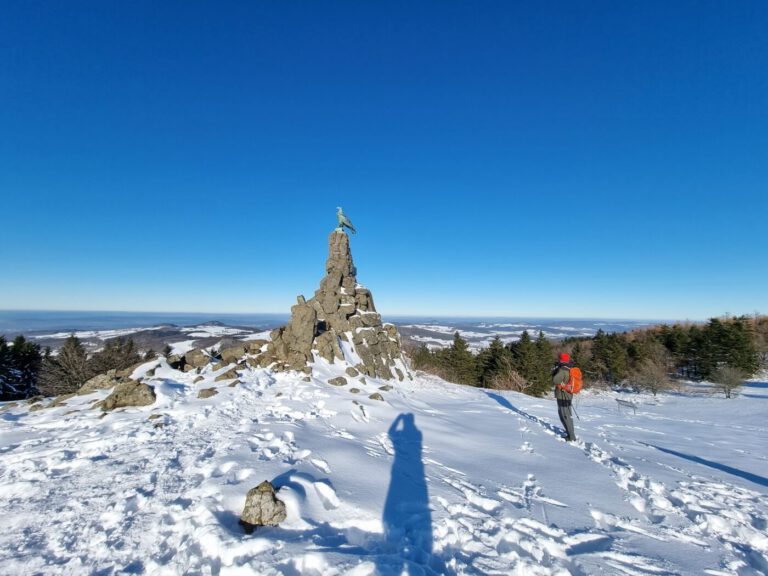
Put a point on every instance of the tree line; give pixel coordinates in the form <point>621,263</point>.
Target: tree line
<point>723,350</point>
<point>27,370</point>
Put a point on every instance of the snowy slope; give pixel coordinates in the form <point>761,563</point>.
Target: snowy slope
<point>468,481</point>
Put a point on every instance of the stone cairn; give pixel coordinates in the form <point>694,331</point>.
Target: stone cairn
<point>341,314</point>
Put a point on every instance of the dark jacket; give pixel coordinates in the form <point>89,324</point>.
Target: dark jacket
<point>560,375</point>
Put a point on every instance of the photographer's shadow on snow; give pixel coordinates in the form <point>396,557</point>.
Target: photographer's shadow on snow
<point>407,516</point>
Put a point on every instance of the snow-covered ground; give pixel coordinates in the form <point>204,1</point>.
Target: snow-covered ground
<point>435,479</point>
<point>100,334</point>
<point>212,331</point>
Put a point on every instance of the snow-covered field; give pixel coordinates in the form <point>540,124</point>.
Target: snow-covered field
<point>100,334</point>
<point>479,334</point>
<point>435,479</point>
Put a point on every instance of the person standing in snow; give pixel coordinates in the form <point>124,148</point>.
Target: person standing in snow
<point>560,376</point>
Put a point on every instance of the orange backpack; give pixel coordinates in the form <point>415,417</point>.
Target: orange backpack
<point>575,381</point>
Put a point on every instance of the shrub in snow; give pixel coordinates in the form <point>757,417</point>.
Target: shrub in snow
<point>728,378</point>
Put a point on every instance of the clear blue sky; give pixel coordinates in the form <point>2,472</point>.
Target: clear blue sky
<point>583,159</point>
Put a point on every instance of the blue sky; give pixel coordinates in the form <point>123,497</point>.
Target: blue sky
<point>581,159</point>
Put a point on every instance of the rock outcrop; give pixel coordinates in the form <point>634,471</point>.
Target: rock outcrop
<point>101,382</point>
<point>109,379</point>
<point>262,508</point>
<point>339,323</point>
<point>129,393</point>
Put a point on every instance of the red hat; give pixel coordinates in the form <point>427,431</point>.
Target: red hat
<point>565,357</point>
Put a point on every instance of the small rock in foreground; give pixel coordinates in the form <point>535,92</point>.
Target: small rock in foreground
<point>262,508</point>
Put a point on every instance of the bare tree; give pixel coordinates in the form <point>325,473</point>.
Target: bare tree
<point>652,375</point>
<point>729,378</point>
<point>507,378</point>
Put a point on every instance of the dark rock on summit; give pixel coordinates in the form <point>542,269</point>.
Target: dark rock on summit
<point>341,311</point>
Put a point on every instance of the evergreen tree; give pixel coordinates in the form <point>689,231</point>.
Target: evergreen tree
<point>610,357</point>
<point>461,361</point>
<point>117,354</point>
<point>26,360</point>
<point>741,351</point>
<point>492,360</point>
<point>581,357</point>
<point>19,367</point>
<point>525,358</point>
<point>542,380</point>
<point>5,362</point>
<point>730,342</point>
<point>422,357</point>
<point>65,372</point>
<point>692,356</point>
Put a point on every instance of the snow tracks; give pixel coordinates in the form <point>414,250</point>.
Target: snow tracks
<point>700,516</point>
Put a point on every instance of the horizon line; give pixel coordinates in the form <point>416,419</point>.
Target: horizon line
<point>405,315</point>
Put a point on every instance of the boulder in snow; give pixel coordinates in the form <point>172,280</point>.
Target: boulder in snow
<point>129,393</point>
<point>262,508</point>
<point>232,354</point>
<point>196,358</point>
<point>229,374</point>
<point>100,382</point>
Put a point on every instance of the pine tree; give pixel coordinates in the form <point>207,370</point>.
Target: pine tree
<point>492,360</point>
<point>525,358</point>
<point>461,362</point>
<point>117,354</point>
<point>67,371</point>
<point>422,357</point>
<point>581,356</point>
<point>610,357</point>
<point>7,390</point>
<point>542,380</point>
<point>730,342</point>
<point>19,367</point>
<point>27,359</point>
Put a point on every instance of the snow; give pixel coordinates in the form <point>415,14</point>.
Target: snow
<point>212,331</point>
<point>266,335</point>
<point>437,479</point>
<point>350,355</point>
<point>100,334</point>
<point>180,348</point>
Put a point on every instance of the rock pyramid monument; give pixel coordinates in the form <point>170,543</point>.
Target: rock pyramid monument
<point>339,323</point>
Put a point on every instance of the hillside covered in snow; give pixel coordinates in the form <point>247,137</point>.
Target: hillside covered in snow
<point>433,478</point>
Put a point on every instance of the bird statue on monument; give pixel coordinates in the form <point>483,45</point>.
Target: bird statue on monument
<point>343,220</point>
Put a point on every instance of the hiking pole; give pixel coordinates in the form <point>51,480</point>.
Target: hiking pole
<point>574,411</point>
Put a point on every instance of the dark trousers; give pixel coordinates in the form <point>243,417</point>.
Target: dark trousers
<point>564,411</point>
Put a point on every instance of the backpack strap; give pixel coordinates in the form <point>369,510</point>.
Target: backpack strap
<point>564,387</point>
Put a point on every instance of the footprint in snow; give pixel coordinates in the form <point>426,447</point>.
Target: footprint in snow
<point>474,495</point>
<point>223,469</point>
<point>327,495</point>
<point>321,465</point>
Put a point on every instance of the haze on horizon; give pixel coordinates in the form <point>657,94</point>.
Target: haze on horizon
<point>558,160</point>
